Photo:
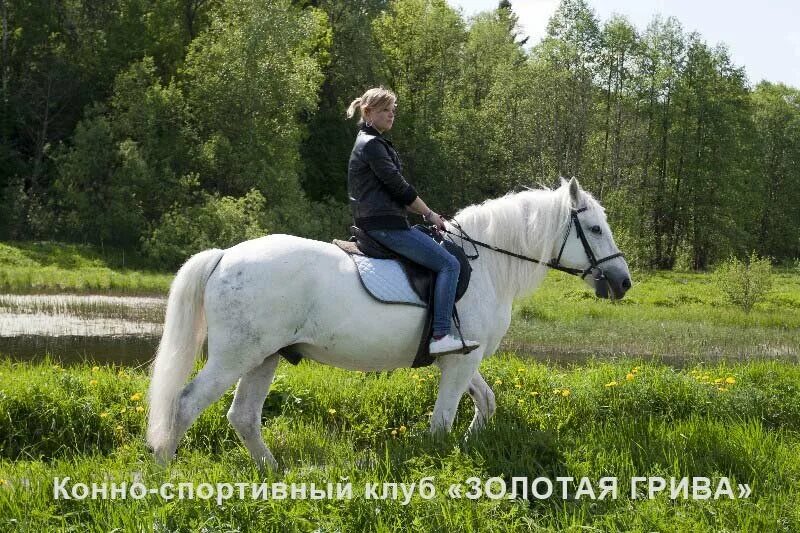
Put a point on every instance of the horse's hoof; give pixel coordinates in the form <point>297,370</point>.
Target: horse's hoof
<point>267,464</point>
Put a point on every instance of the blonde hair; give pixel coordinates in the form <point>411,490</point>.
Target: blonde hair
<point>375,97</point>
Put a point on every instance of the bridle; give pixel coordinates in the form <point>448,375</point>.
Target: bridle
<point>555,264</point>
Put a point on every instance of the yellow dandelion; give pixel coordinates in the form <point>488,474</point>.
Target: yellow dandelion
<point>95,368</point>
<point>730,380</point>
<point>498,382</point>
<point>332,411</point>
<point>394,433</point>
<point>629,376</point>
<point>103,414</point>
<point>401,429</point>
<point>93,382</point>
<point>534,393</point>
<point>139,409</point>
<point>566,392</point>
<point>611,384</point>
<point>2,481</point>
<point>520,402</point>
<point>136,396</point>
<point>521,370</point>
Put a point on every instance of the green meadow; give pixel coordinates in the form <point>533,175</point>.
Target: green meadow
<point>672,382</point>
<point>623,419</point>
<point>47,267</point>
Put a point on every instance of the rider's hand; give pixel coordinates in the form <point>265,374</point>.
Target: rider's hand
<point>436,220</point>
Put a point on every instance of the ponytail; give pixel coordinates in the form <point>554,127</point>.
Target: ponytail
<point>371,99</point>
<point>355,104</point>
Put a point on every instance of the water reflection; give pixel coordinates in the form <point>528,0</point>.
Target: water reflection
<point>119,329</point>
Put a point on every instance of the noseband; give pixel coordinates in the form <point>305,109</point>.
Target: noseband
<point>553,263</point>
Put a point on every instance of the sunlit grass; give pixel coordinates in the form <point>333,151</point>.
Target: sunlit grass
<point>670,314</point>
<point>57,267</point>
<point>327,425</point>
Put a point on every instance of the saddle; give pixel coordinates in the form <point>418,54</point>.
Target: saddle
<point>421,280</point>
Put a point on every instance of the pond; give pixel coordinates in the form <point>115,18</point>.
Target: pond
<point>111,329</point>
<point>126,330</point>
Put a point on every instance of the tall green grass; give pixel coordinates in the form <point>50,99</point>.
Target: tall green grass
<point>43,267</point>
<point>626,418</point>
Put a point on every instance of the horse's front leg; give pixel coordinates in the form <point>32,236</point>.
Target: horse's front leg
<point>457,373</point>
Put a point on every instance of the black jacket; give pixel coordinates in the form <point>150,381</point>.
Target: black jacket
<point>377,190</point>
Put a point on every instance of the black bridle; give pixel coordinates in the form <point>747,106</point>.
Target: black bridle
<point>553,263</point>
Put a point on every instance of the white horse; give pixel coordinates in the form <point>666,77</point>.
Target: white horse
<point>266,294</point>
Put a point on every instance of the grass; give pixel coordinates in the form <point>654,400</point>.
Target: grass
<point>88,307</point>
<point>673,381</point>
<point>739,420</point>
<point>45,267</point>
<point>675,316</point>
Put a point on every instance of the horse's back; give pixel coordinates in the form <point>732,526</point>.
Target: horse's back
<point>282,290</point>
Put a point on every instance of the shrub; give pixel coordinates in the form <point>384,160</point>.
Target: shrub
<point>220,222</point>
<point>744,284</point>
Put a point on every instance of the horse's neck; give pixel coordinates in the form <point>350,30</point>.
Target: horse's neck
<point>509,277</point>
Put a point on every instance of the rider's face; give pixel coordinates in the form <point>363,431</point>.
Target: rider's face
<point>382,117</point>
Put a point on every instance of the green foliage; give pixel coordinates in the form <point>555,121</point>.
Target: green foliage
<point>219,222</point>
<point>745,283</point>
<point>110,110</point>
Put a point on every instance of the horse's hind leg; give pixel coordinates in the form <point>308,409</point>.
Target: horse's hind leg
<point>245,412</point>
<point>483,398</point>
<point>206,388</point>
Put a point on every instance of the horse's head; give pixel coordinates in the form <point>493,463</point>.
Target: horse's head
<point>588,246</point>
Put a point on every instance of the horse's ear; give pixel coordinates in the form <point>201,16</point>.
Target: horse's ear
<point>574,191</point>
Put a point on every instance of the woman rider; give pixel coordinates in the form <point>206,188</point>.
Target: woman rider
<point>379,199</point>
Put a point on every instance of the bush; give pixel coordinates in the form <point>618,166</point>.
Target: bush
<point>220,222</point>
<point>744,284</point>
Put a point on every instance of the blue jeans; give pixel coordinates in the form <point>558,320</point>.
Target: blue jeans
<point>414,245</point>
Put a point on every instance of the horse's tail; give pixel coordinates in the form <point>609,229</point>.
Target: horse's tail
<point>183,336</point>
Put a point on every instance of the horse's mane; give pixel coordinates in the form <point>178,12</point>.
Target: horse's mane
<point>527,222</point>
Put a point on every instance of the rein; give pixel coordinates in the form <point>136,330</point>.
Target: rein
<point>553,263</point>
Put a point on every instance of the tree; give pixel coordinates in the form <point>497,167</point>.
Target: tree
<point>775,180</point>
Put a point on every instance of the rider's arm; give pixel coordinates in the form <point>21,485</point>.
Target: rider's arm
<point>421,208</point>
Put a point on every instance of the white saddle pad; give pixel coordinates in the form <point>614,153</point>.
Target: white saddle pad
<point>386,280</point>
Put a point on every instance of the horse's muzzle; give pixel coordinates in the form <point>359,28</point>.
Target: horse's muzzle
<point>610,284</point>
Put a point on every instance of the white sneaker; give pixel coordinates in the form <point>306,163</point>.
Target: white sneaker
<point>449,344</point>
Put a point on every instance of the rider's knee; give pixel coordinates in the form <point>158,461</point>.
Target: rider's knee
<point>452,264</point>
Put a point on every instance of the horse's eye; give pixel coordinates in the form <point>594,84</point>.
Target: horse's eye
<point>596,230</point>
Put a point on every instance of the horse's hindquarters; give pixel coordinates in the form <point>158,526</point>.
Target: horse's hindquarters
<point>278,291</point>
